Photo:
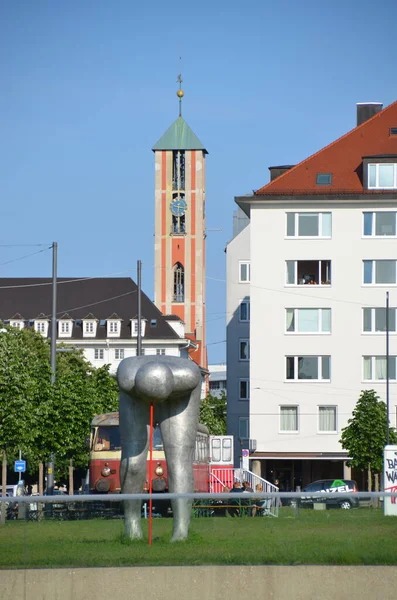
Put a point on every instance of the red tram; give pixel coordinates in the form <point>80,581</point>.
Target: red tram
<point>212,466</point>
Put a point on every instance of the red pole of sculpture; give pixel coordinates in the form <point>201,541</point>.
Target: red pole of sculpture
<point>150,472</point>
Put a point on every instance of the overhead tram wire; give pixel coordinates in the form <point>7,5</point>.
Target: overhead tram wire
<point>63,311</point>
<point>25,256</point>
<point>76,280</point>
<point>293,293</point>
<point>24,245</point>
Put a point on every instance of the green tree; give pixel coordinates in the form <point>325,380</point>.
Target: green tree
<point>80,392</point>
<point>364,438</point>
<point>213,414</point>
<point>25,384</point>
<point>39,418</point>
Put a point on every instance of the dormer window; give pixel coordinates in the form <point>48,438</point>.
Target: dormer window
<point>134,327</point>
<point>17,323</point>
<point>41,327</point>
<point>65,327</point>
<point>113,328</point>
<point>382,176</point>
<point>89,324</point>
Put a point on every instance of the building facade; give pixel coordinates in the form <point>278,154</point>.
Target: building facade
<point>98,316</point>
<point>179,240</point>
<point>323,252</point>
<point>217,379</point>
<point>238,275</point>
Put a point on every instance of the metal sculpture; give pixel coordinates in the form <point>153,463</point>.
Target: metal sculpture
<point>173,384</point>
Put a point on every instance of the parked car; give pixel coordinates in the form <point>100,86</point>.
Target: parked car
<point>333,487</point>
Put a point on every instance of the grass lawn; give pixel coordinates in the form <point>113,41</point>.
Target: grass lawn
<point>335,537</point>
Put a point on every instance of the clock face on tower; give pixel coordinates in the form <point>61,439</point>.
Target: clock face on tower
<point>178,207</point>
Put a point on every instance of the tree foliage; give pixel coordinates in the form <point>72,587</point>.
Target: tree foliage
<point>39,418</point>
<point>25,382</point>
<point>364,438</point>
<point>213,414</point>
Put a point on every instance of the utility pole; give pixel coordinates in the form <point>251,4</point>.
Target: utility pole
<point>139,339</point>
<point>54,311</point>
<point>50,464</point>
<point>387,371</point>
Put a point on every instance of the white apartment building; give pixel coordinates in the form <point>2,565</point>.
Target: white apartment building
<point>323,254</point>
<point>97,315</point>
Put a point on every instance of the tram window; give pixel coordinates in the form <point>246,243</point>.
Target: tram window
<point>216,450</point>
<point>157,439</point>
<point>227,450</point>
<point>107,438</point>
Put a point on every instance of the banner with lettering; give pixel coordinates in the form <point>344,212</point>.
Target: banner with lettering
<point>390,478</point>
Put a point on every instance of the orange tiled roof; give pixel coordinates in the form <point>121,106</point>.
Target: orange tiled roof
<point>342,158</point>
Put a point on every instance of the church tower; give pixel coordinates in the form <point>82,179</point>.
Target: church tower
<point>179,243</point>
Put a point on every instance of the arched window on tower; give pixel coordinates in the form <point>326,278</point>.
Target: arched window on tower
<point>179,283</point>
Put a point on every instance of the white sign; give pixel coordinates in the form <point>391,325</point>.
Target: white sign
<point>245,459</point>
<point>390,479</point>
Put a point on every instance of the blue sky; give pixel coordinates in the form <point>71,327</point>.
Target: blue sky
<point>87,88</point>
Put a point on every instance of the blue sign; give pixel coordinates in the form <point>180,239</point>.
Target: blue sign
<point>20,466</point>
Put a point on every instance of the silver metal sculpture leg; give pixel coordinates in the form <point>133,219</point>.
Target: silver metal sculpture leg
<point>178,424</point>
<point>134,434</point>
<point>173,385</point>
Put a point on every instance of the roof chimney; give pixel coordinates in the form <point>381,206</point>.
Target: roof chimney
<point>277,171</point>
<point>366,110</point>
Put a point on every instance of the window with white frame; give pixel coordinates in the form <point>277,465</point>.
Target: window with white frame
<point>114,326</point>
<point>98,353</point>
<point>289,418</point>
<point>244,389</point>
<point>218,385</point>
<point>160,351</point>
<point>244,349</point>
<point>119,353</point>
<point>244,311</point>
<point>327,419</point>
<point>311,368</point>
<point>308,272</point>
<point>88,327</point>
<point>40,326</point>
<point>309,224</point>
<point>65,326</point>
<point>375,368</point>
<point>380,224</point>
<point>244,272</point>
<point>308,320</point>
<point>17,324</point>
<point>374,320</point>
<point>379,272</point>
<point>382,176</point>
<point>134,327</point>
<point>243,427</point>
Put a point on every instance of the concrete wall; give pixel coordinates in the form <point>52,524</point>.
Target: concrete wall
<point>199,583</point>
